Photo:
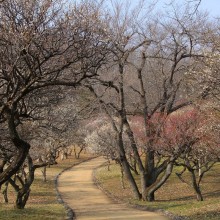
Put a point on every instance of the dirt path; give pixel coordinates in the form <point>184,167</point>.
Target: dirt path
<point>89,203</point>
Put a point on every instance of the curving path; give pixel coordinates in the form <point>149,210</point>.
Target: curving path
<point>78,190</point>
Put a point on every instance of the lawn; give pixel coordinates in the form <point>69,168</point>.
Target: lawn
<point>42,203</point>
<point>175,196</point>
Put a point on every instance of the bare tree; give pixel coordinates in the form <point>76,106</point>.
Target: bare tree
<point>23,180</point>
<point>193,5</point>
<point>42,45</point>
<point>148,79</point>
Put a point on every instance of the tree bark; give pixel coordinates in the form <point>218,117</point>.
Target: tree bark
<point>22,149</point>
<point>127,170</point>
<point>23,191</point>
<point>22,197</point>
<point>5,192</point>
<point>154,187</point>
<point>122,177</point>
<point>44,173</point>
<point>196,186</point>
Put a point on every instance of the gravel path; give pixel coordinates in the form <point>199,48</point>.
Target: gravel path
<point>79,192</point>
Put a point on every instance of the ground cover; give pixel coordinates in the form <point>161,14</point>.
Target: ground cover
<point>175,196</point>
<point>42,203</point>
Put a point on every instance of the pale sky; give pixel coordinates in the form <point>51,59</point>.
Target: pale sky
<point>211,6</point>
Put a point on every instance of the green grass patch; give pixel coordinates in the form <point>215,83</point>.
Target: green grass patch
<point>174,196</point>
<point>34,212</point>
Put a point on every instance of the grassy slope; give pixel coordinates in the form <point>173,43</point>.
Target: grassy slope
<point>175,196</point>
<point>42,203</point>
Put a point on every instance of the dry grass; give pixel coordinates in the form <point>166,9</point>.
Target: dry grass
<point>175,196</point>
<point>42,203</point>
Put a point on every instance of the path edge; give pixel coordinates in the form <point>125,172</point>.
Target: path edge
<point>70,214</point>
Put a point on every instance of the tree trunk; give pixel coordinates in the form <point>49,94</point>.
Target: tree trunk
<point>23,191</point>
<point>122,177</point>
<point>22,197</point>
<point>155,186</point>
<point>62,155</point>
<point>196,186</point>
<point>149,165</point>
<point>44,173</point>
<point>147,176</point>
<point>135,167</point>
<point>143,185</point>
<point>80,151</point>
<point>22,150</point>
<point>75,153</point>
<point>200,169</point>
<point>108,164</point>
<point>5,192</point>
<point>137,157</point>
<point>199,194</point>
<point>150,178</point>
<point>133,164</point>
<point>150,196</point>
<point>127,170</point>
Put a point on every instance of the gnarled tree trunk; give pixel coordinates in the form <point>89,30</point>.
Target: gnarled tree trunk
<point>21,146</point>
